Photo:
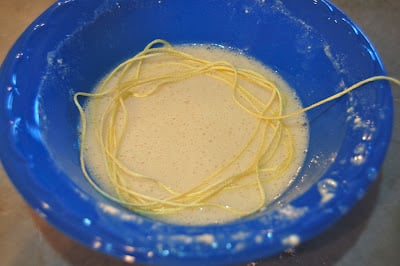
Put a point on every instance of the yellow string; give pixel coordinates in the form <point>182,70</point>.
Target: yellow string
<point>271,129</point>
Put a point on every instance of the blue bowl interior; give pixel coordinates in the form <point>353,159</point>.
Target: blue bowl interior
<point>312,45</point>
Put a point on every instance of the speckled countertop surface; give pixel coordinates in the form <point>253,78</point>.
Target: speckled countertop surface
<point>368,235</point>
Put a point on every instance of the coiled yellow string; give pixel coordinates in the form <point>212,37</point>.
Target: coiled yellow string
<point>144,83</point>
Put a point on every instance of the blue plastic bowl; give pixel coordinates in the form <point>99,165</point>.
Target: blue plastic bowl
<point>316,48</point>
